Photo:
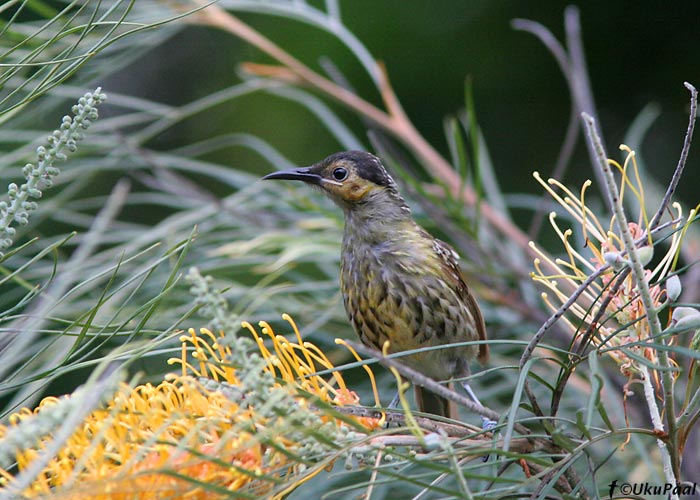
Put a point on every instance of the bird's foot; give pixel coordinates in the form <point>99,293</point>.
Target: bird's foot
<point>395,401</point>
<point>487,424</point>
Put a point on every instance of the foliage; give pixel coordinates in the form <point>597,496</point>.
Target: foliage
<point>92,285</point>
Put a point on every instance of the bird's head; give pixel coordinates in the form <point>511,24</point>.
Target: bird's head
<point>355,180</point>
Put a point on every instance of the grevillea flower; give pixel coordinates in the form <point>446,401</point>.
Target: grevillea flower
<point>623,321</point>
<point>232,420</point>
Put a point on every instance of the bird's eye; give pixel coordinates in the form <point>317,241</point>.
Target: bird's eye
<point>340,174</point>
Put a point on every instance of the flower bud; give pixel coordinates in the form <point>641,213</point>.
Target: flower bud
<point>685,318</point>
<point>432,441</point>
<point>673,288</point>
<point>615,260</point>
<point>645,254</point>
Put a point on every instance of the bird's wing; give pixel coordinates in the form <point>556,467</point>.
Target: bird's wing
<point>450,258</point>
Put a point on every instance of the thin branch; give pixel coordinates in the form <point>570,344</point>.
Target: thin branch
<point>585,339</point>
<point>669,457</point>
<point>548,40</point>
<point>563,159</point>
<point>421,380</point>
<point>395,122</point>
<point>573,298</point>
<point>539,335</point>
<point>464,435</point>
<point>580,82</point>
<point>487,446</point>
<point>398,418</point>
<point>567,148</point>
<point>537,338</point>
<point>572,65</point>
<point>682,160</point>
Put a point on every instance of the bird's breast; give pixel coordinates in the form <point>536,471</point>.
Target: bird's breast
<point>391,293</point>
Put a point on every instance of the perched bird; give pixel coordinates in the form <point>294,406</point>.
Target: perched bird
<point>398,282</point>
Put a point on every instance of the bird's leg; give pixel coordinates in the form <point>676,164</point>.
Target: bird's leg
<point>486,423</point>
<point>395,401</point>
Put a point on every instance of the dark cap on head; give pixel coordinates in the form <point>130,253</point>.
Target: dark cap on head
<point>367,166</point>
<point>353,179</point>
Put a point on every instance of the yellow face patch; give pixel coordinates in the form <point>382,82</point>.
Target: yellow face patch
<point>352,189</point>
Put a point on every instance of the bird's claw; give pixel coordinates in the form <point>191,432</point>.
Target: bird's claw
<point>487,424</point>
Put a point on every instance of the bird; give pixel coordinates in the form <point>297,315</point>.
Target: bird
<point>399,283</point>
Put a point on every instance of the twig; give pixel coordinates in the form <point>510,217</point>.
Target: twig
<point>395,417</point>
<point>671,462</point>
<point>373,476</point>
<point>683,158</point>
<point>573,68</point>
<point>423,381</point>
<point>559,313</point>
<point>572,65</point>
<point>567,148</point>
<point>537,338</point>
<point>580,82</point>
<point>563,158</point>
<point>585,338</point>
<point>518,445</point>
<point>394,122</point>
<point>527,354</point>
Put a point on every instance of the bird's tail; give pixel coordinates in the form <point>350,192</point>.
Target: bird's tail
<point>429,402</point>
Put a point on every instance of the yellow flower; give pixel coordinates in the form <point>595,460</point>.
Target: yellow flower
<point>231,420</point>
<point>624,320</point>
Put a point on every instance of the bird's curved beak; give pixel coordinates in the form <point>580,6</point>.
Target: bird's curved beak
<point>305,174</point>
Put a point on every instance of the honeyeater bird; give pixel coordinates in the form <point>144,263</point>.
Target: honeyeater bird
<point>398,282</point>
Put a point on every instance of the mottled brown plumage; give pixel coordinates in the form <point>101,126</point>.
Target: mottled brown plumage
<point>398,282</point>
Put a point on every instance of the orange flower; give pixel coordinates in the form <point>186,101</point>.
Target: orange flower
<point>232,420</point>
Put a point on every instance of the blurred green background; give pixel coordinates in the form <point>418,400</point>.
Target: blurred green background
<point>638,58</point>
<point>273,248</point>
<point>638,55</point>
<point>186,169</point>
